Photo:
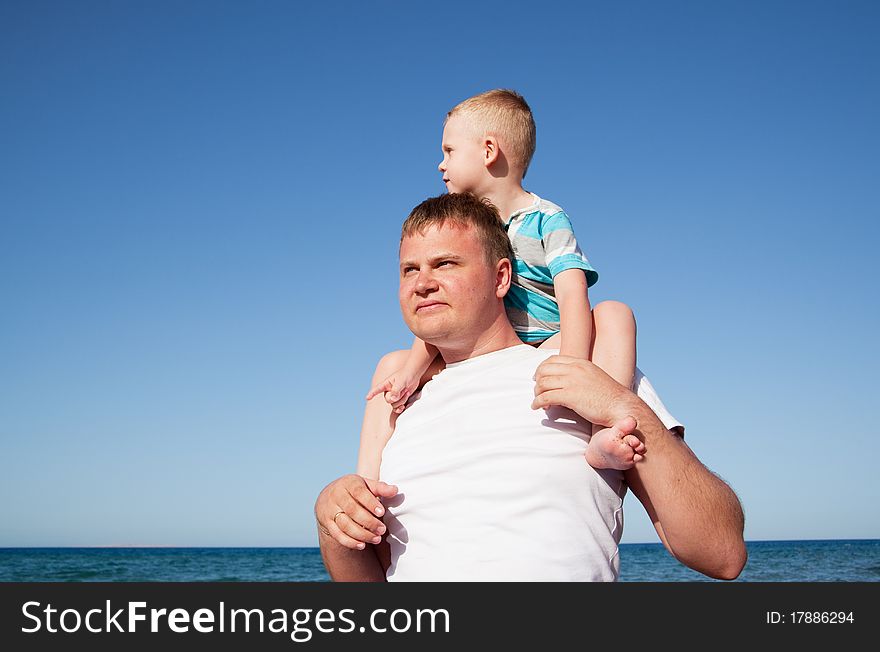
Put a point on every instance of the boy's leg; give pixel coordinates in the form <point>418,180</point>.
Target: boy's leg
<point>613,349</point>
<point>380,418</point>
<point>613,341</point>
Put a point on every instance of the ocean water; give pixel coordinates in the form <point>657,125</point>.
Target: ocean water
<point>769,561</point>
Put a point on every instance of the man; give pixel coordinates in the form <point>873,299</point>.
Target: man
<point>490,487</point>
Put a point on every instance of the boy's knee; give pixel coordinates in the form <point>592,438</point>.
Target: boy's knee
<point>613,311</point>
<point>391,362</point>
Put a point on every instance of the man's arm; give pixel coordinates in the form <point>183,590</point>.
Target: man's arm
<point>347,565</point>
<point>347,511</point>
<point>697,516</point>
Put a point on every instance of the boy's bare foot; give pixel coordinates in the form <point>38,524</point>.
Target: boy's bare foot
<point>615,447</point>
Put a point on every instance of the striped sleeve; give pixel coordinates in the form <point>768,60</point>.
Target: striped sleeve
<point>561,250</point>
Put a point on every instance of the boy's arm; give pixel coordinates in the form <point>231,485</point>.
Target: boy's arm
<point>575,319</point>
<point>402,383</point>
<point>421,355</point>
<point>572,275</point>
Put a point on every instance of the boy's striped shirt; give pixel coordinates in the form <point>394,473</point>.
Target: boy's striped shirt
<point>544,244</point>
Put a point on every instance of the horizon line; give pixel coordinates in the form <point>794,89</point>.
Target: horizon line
<point>252,547</point>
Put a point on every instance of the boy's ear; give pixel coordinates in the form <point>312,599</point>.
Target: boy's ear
<point>490,150</point>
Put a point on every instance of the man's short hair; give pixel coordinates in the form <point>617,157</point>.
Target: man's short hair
<point>504,114</point>
<point>462,209</point>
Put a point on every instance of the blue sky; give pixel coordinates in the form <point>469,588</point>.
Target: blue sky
<point>200,205</point>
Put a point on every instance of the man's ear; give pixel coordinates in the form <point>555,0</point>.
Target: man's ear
<point>490,150</point>
<point>503,277</point>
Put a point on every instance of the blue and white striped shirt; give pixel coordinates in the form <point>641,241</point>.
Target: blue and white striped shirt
<point>544,245</point>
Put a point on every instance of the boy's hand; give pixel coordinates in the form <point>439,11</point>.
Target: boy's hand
<point>398,387</point>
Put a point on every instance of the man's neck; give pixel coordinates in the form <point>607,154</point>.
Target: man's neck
<point>500,335</point>
<point>509,199</point>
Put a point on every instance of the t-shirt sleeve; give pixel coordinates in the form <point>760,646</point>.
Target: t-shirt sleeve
<point>645,391</point>
<point>561,250</point>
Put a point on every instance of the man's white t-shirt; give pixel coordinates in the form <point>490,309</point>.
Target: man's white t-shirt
<point>491,490</point>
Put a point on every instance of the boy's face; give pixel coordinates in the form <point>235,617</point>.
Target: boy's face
<point>463,165</point>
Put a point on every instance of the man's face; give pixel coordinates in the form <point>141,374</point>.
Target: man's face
<point>448,292</point>
<point>463,164</point>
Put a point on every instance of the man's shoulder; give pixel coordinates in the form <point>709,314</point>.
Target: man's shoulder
<point>526,357</point>
<point>494,372</point>
<point>512,355</point>
<point>519,359</point>
<point>527,352</point>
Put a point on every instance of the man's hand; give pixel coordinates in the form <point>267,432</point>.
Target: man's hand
<point>398,387</point>
<point>583,387</point>
<point>349,511</point>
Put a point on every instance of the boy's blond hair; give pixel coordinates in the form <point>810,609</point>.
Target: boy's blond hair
<point>504,114</point>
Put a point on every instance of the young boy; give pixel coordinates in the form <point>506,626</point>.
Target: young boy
<point>488,142</point>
